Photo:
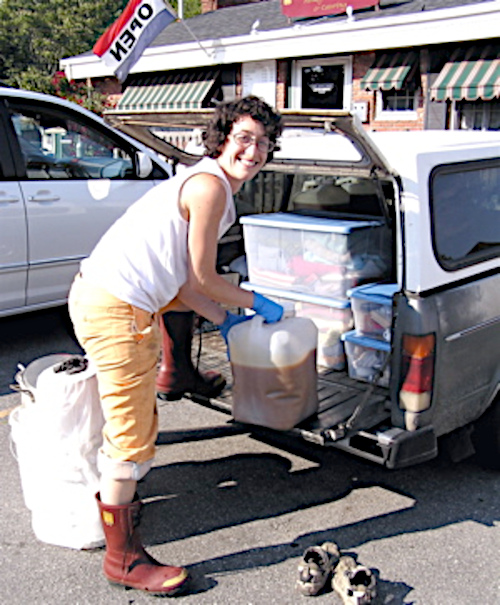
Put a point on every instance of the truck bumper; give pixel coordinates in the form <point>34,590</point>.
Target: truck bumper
<point>393,448</point>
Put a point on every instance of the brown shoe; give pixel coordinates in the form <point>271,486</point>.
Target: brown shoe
<point>126,562</point>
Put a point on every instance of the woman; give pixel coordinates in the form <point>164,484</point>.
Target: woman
<point>161,256</point>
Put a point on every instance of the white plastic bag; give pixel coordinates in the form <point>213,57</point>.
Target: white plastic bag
<point>57,432</point>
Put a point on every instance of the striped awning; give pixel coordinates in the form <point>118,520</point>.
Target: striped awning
<point>171,92</point>
<point>390,70</point>
<point>469,74</point>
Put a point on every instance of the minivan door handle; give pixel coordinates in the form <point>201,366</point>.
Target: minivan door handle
<point>43,196</point>
<point>8,198</point>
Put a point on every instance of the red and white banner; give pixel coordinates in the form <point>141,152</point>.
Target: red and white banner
<point>300,9</point>
<point>122,44</point>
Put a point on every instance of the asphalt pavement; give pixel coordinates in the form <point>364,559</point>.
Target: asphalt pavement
<point>239,511</point>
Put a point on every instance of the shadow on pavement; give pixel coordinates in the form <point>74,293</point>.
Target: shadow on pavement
<point>26,337</point>
<point>193,498</point>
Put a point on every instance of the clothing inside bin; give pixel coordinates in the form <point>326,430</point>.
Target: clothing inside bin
<point>367,357</point>
<point>372,308</point>
<point>325,257</point>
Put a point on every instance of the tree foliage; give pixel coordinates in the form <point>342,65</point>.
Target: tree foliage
<point>190,7</point>
<point>36,34</point>
<point>78,92</point>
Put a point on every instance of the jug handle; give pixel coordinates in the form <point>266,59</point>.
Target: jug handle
<point>256,323</point>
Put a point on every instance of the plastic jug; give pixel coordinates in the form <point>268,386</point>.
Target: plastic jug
<point>274,371</point>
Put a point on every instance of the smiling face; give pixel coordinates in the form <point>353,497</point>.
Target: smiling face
<point>242,157</point>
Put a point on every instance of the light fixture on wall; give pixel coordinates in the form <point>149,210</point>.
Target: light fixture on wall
<point>322,88</point>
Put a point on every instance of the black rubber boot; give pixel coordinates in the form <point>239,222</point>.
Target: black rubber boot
<point>177,374</point>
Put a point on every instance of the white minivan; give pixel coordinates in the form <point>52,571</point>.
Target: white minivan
<point>65,177</point>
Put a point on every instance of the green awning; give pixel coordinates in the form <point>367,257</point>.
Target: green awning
<point>390,70</point>
<point>174,92</point>
<point>470,74</point>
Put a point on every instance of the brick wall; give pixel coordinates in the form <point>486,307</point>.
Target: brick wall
<point>110,87</point>
<point>107,86</point>
<point>208,5</point>
<point>281,84</point>
<point>383,125</point>
<point>361,63</point>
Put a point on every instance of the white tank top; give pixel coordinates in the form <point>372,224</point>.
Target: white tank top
<point>142,258</point>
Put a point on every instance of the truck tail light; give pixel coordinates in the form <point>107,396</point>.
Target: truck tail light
<point>417,372</point>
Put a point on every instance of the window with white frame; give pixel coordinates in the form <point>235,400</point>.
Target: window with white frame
<point>398,104</point>
<point>479,115</point>
<point>322,83</point>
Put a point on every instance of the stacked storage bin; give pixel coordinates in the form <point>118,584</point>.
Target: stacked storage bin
<point>368,346</point>
<point>308,264</point>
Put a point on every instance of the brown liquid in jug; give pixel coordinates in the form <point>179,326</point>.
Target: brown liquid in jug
<point>278,397</point>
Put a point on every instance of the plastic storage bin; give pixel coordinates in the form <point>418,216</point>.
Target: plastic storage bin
<point>317,256</point>
<point>366,357</point>
<point>372,309</point>
<point>331,317</point>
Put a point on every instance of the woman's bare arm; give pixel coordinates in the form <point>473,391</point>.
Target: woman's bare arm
<point>203,200</point>
<point>201,304</point>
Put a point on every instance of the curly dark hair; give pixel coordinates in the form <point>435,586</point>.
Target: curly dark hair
<point>226,114</point>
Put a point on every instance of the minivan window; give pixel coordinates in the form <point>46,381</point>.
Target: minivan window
<point>465,207</point>
<point>61,147</point>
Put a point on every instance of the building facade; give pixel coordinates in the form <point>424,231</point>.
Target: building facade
<point>406,65</point>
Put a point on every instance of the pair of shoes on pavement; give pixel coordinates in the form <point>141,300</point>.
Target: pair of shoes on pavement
<point>354,583</point>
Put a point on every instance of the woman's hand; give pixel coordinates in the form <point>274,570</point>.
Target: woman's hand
<point>270,310</point>
<point>231,321</point>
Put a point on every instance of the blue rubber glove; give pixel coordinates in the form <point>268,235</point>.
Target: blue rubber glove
<point>270,310</point>
<point>230,321</point>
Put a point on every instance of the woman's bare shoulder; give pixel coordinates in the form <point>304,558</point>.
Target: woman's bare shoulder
<point>204,186</point>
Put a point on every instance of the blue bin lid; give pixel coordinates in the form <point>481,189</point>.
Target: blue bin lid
<point>372,343</point>
<point>288,220</point>
<point>378,293</point>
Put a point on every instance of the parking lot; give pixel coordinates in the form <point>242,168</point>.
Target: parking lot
<point>239,511</point>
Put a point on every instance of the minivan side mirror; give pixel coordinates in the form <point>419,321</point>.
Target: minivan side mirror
<point>144,165</point>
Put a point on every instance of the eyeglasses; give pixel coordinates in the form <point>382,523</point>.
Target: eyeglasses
<point>245,139</point>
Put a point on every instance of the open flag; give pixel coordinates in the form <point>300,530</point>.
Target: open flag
<point>122,44</point>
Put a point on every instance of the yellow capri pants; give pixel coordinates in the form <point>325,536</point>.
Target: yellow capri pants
<point>123,342</point>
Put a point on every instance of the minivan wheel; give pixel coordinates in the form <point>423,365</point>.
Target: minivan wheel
<point>486,437</point>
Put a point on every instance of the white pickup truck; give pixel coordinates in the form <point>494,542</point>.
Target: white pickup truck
<point>435,195</point>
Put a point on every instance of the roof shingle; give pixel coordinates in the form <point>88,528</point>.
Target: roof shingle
<point>238,20</point>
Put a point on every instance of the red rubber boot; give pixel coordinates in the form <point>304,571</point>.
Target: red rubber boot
<point>126,562</point>
<point>177,374</point>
